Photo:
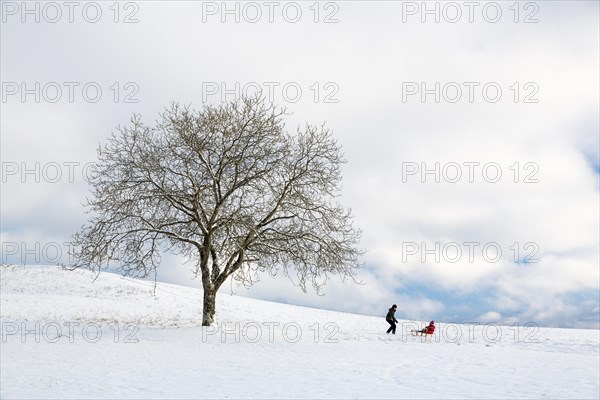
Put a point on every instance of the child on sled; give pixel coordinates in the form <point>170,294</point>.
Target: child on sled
<point>428,330</point>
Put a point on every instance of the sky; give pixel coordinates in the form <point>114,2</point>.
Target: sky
<point>470,130</point>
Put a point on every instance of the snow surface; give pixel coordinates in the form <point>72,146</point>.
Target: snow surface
<point>64,336</point>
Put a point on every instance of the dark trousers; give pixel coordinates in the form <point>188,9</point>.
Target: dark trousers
<point>392,326</point>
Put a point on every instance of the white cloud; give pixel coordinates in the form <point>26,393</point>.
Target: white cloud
<point>490,316</point>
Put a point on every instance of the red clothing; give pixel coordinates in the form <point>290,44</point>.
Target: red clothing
<point>430,329</point>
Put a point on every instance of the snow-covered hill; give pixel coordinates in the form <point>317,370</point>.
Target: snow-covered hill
<point>64,336</point>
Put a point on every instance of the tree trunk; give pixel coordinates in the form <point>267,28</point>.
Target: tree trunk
<point>208,308</point>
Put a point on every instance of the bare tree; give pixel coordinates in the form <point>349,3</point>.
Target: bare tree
<point>228,188</point>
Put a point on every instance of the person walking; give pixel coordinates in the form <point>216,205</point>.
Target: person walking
<point>391,319</point>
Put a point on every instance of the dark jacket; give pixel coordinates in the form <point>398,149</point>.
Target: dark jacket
<point>390,315</point>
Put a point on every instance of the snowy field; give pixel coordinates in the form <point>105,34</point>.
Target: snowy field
<point>66,337</point>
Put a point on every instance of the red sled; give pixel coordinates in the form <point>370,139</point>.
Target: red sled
<point>423,332</point>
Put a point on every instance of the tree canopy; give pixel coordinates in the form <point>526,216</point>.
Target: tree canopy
<point>227,187</point>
